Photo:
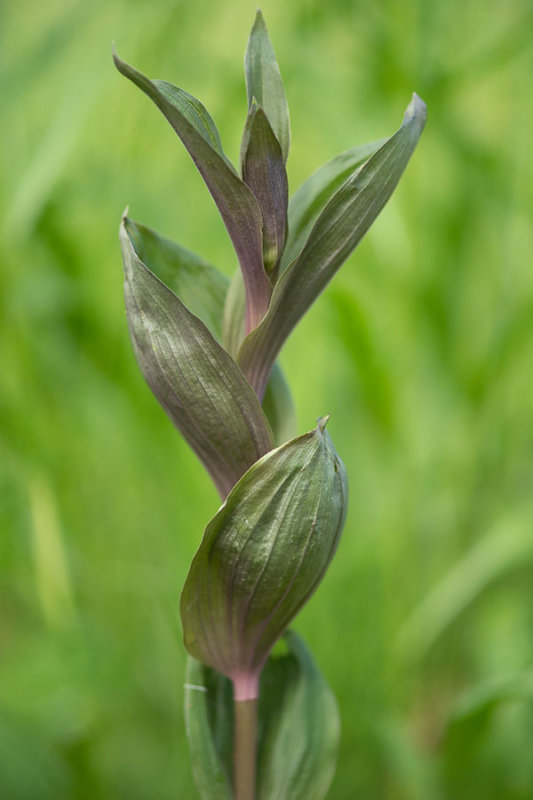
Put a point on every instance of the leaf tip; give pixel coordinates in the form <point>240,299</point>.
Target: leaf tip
<point>259,18</point>
<point>416,109</point>
<point>322,422</point>
<point>119,64</point>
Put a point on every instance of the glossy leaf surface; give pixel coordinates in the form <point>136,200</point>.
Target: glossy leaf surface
<point>298,727</point>
<point>236,203</point>
<point>314,194</point>
<point>199,285</point>
<point>198,384</point>
<point>337,231</point>
<point>263,81</point>
<point>263,170</point>
<point>264,554</point>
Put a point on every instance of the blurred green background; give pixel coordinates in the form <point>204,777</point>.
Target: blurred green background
<point>421,350</point>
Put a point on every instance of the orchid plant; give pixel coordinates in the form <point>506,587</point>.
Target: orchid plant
<point>261,720</point>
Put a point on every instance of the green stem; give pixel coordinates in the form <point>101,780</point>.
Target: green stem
<point>245,746</point>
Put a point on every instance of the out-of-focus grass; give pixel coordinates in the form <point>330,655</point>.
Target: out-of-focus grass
<point>421,350</point>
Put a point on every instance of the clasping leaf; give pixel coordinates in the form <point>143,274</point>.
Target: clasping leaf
<point>263,555</point>
<point>236,203</point>
<point>298,727</point>
<point>196,381</point>
<point>337,231</point>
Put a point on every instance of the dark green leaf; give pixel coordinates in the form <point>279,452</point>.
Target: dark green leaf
<point>263,555</point>
<point>195,380</point>
<point>236,203</point>
<point>263,170</point>
<point>313,195</point>
<point>200,286</point>
<point>337,231</point>
<point>298,728</point>
<point>263,81</point>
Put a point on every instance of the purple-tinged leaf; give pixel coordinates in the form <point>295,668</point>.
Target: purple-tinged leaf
<point>236,203</point>
<point>263,555</point>
<point>311,198</point>
<point>277,403</point>
<point>263,170</point>
<point>199,285</point>
<point>337,231</point>
<point>198,384</point>
<point>263,82</point>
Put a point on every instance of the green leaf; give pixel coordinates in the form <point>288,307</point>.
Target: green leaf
<point>298,727</point>
<point>279,407</point>
<point>236,203</point>
<point>209,726</point>
<point>313,195</point>
<point>337,231</point>
<point>263,555</point>
<point>263,170</point>
<point>233,320</point>
<point>200,286</point>
<point>263,81</point>
<point>198,384</point>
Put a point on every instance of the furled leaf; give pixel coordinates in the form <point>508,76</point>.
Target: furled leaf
<point>263,170</point>
<point>298,727</point>
<point>279,408</point>
<point>200,286</point>
<point>313,195</point>
<point>263,555</point>
<point>198,384</point>
<point>236,203</point>
<point>263,81</point>
<point>337,231</point>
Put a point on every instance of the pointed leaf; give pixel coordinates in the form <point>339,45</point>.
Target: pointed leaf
<point>263,170</point>
<point>339,228</point>
<point>200,286</point>
<point>236,203</point>
<point>263,555</point>
<point>298,727</point>
<point>314,194</point>
<point>198,384</point>
<point>263,81</point>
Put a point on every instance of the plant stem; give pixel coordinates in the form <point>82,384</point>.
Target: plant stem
<point>245,746</point>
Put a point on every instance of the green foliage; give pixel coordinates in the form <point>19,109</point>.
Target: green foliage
<point>420,350</point>
<point>337,231</point>
<point>195,380</point>
<point>298,727</point>
<point>264,554</point>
